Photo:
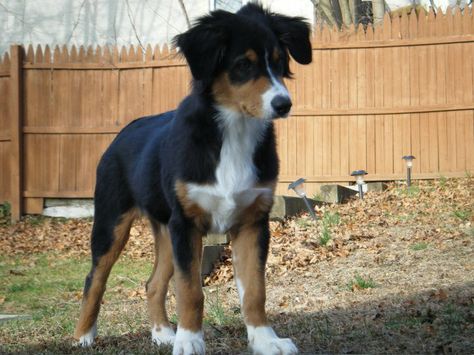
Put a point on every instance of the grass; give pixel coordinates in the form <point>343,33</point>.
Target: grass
<point>409,191</point>
<point>303,222</point>
<point>5,210</point>
<point>329,220</point>
<point>463,215</point>
<point>360,283</point>
<point>217,313</point>
<point>419,246</point>
<point>46,280</point>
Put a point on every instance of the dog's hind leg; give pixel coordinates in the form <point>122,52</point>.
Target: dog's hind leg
<point>157,285</point>
<point>109,236</point>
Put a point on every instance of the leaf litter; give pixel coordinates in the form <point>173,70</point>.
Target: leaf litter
<point>414,245</point>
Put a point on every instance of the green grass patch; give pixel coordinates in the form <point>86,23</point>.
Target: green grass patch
<point>361,283</point>
<point>328,220</point>
<point>463,215</point>
<point>419,246</point>
<point>442,181</point>
<point>409,191</point>
<point>303,222</point>
<point>35,283</point>
<point>331,219</point>
<point>216,313</point>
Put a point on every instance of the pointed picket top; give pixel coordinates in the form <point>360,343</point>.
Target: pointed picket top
<point>173,51</point>
<point>387,26</point>
<point>334,34</point>
<point>89,54</point>
<point>156,52</point>
<point>396,30</point>
<point>115,54</point>
<point>351,32</point>
<point>404,24</point>
<point>360,32</point>
<point>441,23</point>
<point>139,55</point>
<point>369,33</point>
<point>165,52</point>
<point>318,34</point>
<point>98,54</point>
<point>450,19</point>
<point>30,54</point>
<point>458,21</point>
<point>325,35</point>
<point>466,22</point>
<point>431,23</point>
<point>61,54</point>
<point>73,56</point>
<point>82,54</point>
<point>413,25</point>
<point>107,55</point>
<point>6,60</point>
<point>148,53</point>
<point>47,54</point>
<point>132,55</point>
<point>39,54</point>
<point>422,24</point>
<point>57,55</point>
<point>123,54</point>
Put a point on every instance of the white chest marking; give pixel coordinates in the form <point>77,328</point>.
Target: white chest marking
<point>236,175</point>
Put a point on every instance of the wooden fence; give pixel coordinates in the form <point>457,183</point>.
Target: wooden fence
<point>368,98</point>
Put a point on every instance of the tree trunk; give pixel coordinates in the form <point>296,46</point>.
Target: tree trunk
<point>378,10</point>
<point>353,6</point>
<point>345,12</point>
<point>326,8</point>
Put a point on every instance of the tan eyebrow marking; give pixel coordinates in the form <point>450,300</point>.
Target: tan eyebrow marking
<point>251,55</point>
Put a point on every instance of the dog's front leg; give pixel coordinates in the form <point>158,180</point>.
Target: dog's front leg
<point>249,253</point>
<point>187,254</point>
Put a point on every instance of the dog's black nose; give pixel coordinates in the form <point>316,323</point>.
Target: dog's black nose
<point>282,105</point>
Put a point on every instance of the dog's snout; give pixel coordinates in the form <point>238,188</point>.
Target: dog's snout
<point>282,105</point>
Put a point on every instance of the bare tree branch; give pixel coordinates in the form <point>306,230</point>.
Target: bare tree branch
<point>181,3</point>
<point>132,22</point>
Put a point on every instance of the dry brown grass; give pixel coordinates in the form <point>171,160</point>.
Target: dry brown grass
<point>415,245</point>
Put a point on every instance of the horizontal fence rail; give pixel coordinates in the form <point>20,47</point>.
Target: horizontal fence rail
<point>369,97</point>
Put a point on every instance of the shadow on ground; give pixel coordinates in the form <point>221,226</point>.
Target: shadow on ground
<point>438,321</point>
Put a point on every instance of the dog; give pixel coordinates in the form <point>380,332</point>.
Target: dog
<point>209,166</point>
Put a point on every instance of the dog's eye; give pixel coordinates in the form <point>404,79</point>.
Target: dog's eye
<point>243,65</point>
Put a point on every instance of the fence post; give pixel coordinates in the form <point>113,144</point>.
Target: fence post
<point>16,132</point>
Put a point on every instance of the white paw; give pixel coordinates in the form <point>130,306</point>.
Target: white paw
<point>161,334</point>
<point>189,343</point>
<point>264,341</point>
<point>88,338</point>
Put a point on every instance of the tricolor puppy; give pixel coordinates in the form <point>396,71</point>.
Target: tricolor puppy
<point>209,166</point>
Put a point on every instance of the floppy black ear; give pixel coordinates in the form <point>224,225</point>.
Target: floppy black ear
<point>294,33</point>
<point>203,45</point>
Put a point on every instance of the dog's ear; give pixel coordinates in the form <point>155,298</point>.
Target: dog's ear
<point>293,33</point>
<point>203,45</point>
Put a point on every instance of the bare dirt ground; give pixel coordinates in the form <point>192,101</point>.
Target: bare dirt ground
<point>393,273</point>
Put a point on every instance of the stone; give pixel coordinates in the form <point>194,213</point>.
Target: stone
<point>210,254</point>
<point>288,206</point>
<point>337,193</point>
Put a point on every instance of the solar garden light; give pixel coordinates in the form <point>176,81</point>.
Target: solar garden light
<point>359,176</point>
<point>298,187</point>
<point>409,161</point>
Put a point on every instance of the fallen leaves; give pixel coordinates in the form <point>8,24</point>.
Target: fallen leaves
<point>432,213</point>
